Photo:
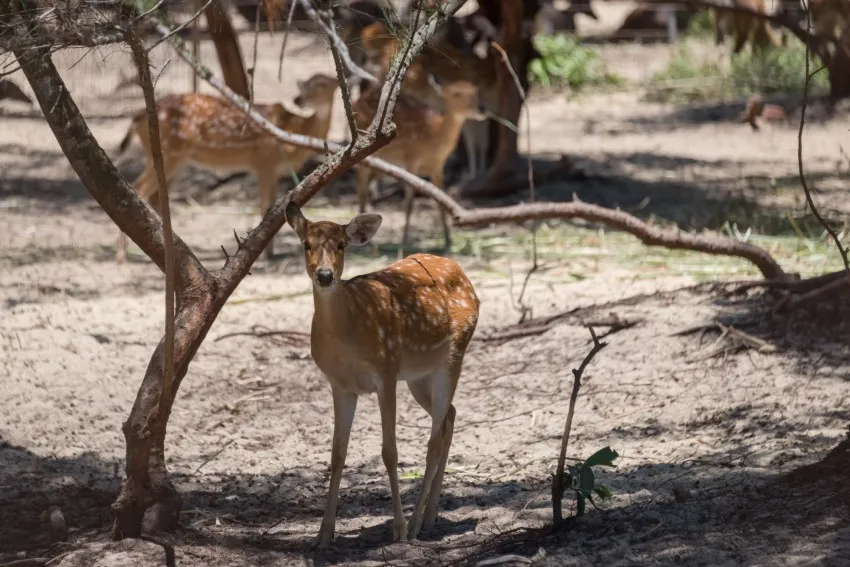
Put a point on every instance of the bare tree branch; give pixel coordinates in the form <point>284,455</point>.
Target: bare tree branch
<point>326,23</point>
<point>285,39</point>
<point>337,44</point>
<point>143,66</point>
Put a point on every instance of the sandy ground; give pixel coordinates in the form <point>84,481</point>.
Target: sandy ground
<point>703,428</point>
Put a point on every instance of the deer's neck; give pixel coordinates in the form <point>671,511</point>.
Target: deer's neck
<point>448,132</point>
<point>332,309</point>
<point>321,121</point>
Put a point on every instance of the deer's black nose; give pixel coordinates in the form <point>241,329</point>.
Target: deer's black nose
<point>325,277</point>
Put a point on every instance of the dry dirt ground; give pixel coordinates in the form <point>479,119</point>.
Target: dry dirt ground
<point>705,425</point>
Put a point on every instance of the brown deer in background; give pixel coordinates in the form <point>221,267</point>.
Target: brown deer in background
<point>211,133</point>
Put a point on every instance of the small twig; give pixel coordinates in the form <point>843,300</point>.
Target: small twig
<point>285,39</point>
<point>337,43</point>
<point>253,71</point>
<point>255,332</point>
<point>558,479</point>
<point>182,26</point>
<point>330,31</point>
<point>809,199</point>
<point>512,558</point>
<point>525,310</point>
<point>143,66</point>
<point>213,456</point>
<point>30,562</point>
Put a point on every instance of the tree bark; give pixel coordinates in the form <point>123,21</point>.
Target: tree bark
<point>227,47</point>
<point>839,67</point>
<point>514,21</point>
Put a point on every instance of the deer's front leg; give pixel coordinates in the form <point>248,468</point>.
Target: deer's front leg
<point>387,403</point>
<point>345,404</point>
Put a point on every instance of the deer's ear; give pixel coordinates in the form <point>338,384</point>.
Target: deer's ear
<point>362,228</point>
<point>297,221</point>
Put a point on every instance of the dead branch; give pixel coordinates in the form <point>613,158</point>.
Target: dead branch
<point>285,39</point>
<point>672,238</point>
<point>326,23</point>
<point>143,66</point>
<point>338,46</point>
<point>558,479</point>
<point>256,332</point>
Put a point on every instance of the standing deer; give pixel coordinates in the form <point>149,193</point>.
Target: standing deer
<point>411,321</point>
<point>212,133</point>
<point>425,138</point>
<point>443,61</point>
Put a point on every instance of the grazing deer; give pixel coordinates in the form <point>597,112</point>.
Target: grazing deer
<point>212,133</point>
<point>411,321</point>
<point>745,27</point>
<point>425,138</point>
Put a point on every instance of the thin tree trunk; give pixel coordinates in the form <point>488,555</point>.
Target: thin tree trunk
<point>512,17</point>
<point>227,47</point>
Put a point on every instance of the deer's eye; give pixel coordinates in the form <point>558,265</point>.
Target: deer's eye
<point>306,247</point>
<point>340,246</point>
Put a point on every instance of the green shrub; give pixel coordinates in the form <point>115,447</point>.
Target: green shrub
<point>688,78</point>
<point>782,69</point>
<point>564,61</point>
<point>700,25</point>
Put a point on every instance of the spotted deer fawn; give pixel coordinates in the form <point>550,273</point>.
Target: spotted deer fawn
<point>212,133</point>
<point>425,137</point>
<point>439,62</point>
<point>411,321</point>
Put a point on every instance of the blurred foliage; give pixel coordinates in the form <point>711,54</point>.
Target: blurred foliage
<point>700,25</point>
<point>565,61</point>
<point>692,78</point>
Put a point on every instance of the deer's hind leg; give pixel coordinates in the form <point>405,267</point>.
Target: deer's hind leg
<point>434,394</point>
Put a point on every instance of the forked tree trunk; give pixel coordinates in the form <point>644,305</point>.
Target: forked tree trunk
<point>227,47</point>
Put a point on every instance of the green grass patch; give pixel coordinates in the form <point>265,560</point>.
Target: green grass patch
<point>689,77</point>
<point>564,61</point>
<point>700,25</point>
<point>570,252</point>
